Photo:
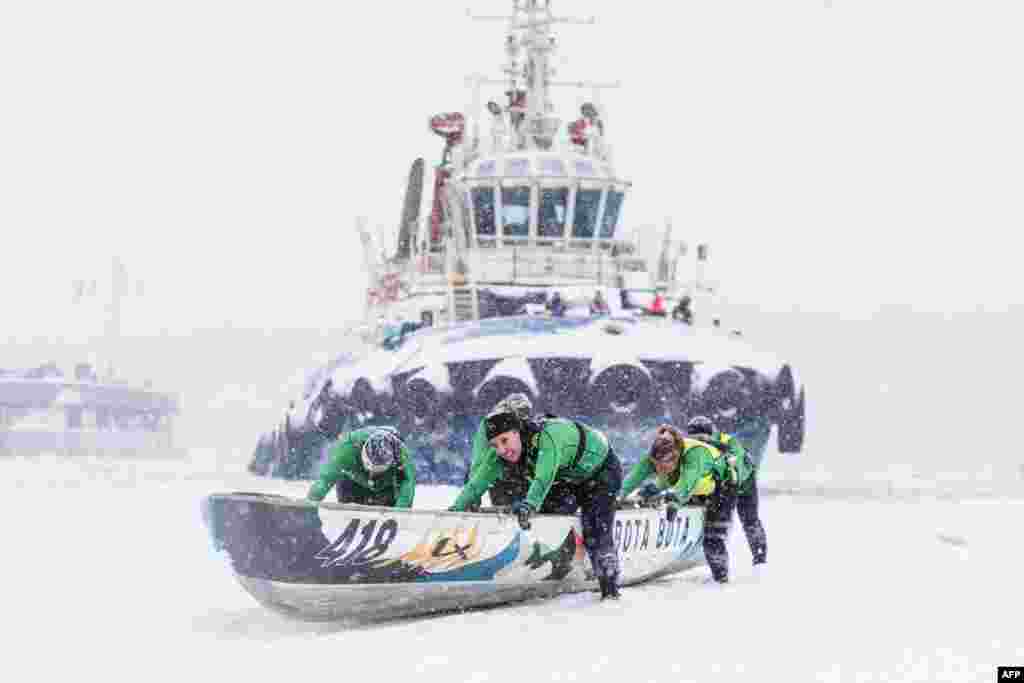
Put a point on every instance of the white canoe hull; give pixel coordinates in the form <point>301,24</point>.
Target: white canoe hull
<point>354,562</point>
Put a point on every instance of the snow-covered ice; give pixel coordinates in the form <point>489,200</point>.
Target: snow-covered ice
<point>110,574</point>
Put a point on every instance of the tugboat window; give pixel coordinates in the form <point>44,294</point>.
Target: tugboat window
<point>585,219</point>
<point>584,169</point>
<point>612,206</point>
<point>553,203</point>
<point>515,206</point>
<point>552,167</point>
<point>483,207</point>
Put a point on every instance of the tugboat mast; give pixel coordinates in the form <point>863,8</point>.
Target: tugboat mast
<point>529,80</point>
<point>535,203</point>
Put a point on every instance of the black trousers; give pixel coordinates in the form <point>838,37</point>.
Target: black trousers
<point>717,521</point>
<point>504,492</point>
<point>350,492</point>
<point>562,499</point>
<point>596,498</point>
<point>746,507</point>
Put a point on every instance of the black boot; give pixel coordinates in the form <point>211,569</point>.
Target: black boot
<point>610,587</point>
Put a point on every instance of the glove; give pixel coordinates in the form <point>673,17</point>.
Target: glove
<point>649,495</point>
<point>522,510</point>
<point>671,505</point>
<point>734,474</point>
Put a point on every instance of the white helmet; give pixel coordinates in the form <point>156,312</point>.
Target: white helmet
<point>517,403</point>
<point>381,450</point>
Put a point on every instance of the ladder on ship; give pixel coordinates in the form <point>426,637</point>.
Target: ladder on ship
<point>464,302</point>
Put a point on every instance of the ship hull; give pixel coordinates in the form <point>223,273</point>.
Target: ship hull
<point>623,377</point>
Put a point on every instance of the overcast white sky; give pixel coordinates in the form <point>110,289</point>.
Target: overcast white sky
<point>834,158</point>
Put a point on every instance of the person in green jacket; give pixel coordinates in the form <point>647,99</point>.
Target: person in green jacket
<point>686,468</point>
<point>744,468</point>
<point>508,488</point>
<point>556,450</point>
<point>514,479</point>
<point>369,466</point>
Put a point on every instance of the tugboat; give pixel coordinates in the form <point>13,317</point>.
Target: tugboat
<point>521,277</point>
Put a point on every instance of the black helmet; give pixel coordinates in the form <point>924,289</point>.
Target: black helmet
<point>381,451</point>
<point>500,420</point>
<point>700,425</point>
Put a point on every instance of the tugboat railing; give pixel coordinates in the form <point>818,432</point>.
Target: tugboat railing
<point>540,266</point>
<point>514,261</point>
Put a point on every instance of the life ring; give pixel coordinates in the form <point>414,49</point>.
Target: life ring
<point>622,389</point>
<point>789,412</point>
<point>497,388</point>
<point>421,398</point>
<point>363,399</point>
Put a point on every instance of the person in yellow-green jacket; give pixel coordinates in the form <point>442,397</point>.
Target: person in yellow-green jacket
<point>685,468</point>
<point>743,467</point>
<point>556,450</point>
<point>369,466</point>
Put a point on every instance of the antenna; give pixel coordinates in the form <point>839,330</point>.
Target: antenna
<point>121,285</point>
<point>529,32</point>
